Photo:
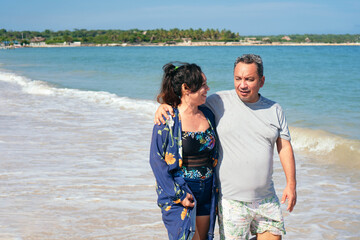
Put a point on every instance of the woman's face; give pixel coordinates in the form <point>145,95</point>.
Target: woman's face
<point>199,97</point>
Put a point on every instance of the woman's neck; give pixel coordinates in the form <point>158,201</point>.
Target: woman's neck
<point>192,119</point>
<point>188,109</point>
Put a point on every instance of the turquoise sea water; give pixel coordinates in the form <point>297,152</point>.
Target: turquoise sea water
<point>317,86</point>
<point>75,127</point>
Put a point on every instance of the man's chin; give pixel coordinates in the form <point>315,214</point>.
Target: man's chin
<point>243,98</point>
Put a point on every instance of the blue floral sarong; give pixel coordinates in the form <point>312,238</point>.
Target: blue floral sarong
<point>166,161</point>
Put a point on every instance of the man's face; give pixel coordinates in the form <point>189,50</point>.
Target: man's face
<point>247,82</point>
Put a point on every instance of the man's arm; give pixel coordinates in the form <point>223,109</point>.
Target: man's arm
<point>287,159</point>
<point>161,113</point>
<point>163,109</point>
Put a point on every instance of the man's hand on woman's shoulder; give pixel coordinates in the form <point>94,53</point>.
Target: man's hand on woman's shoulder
<point>161,113</point>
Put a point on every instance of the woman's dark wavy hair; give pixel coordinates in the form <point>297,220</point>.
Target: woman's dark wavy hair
<point>176,74</point>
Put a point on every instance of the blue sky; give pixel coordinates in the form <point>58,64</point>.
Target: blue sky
<point>255,17</point>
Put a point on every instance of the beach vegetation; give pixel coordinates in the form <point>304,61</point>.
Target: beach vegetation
<point>171,36</point>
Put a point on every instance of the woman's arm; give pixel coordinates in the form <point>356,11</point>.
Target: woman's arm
<point>162,162</point>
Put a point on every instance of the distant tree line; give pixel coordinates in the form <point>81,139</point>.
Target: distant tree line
<point>120,36</point>
<point>314,38</point>
<point>162,36</point>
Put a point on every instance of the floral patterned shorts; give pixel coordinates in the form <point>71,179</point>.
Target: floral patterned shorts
<point>237,219</point>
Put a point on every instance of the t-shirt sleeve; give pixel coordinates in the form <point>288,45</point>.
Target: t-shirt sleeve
<point>284,132</point>
<point>211,102</point>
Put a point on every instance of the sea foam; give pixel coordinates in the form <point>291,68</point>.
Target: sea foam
<point>36,87</point>
<point>326,147</point>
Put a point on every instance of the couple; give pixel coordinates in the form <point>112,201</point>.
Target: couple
<point>241,127</point>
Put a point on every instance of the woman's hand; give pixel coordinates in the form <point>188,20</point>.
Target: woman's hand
<point>188,201</point>
<point>161,112</point>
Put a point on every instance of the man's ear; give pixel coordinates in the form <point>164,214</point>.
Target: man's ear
<point>262,81</point>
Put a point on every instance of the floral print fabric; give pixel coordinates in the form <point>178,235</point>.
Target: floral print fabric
<point>166,162</point>
<point>195,173</point>
<point>200,143</point>
<point>237,219</point>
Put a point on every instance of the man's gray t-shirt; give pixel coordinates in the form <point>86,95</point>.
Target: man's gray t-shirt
<point>247,133</point>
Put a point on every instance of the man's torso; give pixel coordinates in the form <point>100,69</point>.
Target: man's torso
<point>247,133</point>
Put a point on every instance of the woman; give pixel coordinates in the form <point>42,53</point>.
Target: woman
<point>183,155</point>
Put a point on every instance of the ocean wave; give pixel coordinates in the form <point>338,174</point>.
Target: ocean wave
<point>35,87</point>
<point>320,145</point>
<point>326,147</point>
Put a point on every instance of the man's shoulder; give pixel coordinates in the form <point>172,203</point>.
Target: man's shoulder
<point>221,94</point>
<point>225,92</point>
<point>269,102</point>
<point>217,101</point>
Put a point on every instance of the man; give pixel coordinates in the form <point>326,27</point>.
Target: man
<point>248,126</point>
